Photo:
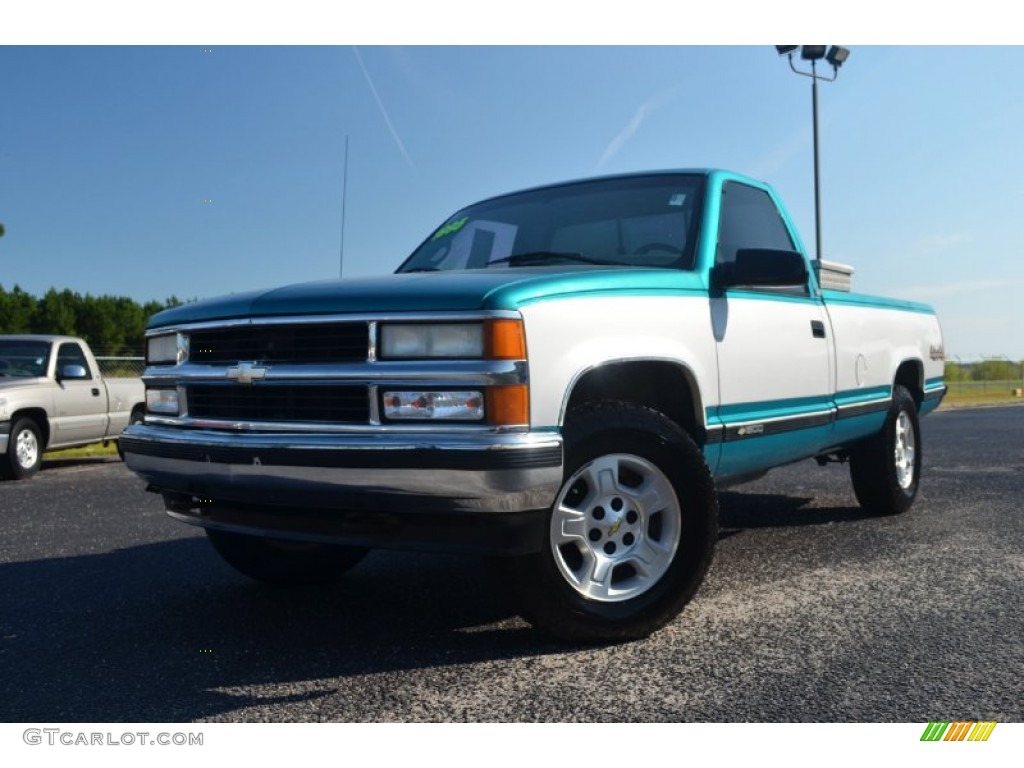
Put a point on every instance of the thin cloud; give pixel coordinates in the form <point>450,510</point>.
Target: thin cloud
<point>383,111</point>
<point>770,163</point>
<point>644,111</point>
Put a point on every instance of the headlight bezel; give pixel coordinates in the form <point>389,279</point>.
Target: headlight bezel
<point>163,401</point>
<point>431,341</point>
<point>488,339</point>
<point>420,405</point>
<point>166,348</point>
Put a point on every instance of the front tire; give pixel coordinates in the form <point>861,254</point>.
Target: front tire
<point>630,535</point>
<point>284,563</point>
<point>24,450</point>
<point>886,469</point>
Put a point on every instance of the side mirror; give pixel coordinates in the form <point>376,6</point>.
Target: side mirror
<point>72,372</point>
<point>764,268</point>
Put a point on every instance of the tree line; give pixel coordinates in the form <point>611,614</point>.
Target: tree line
<point>985,370</point>
<point>113,325</point>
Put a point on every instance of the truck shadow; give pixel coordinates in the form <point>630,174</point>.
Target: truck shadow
<point>78,461</point>
<point>739,511</point>
<point>165,632</point>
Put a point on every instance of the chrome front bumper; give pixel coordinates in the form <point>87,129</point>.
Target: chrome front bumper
<point>406,472</point>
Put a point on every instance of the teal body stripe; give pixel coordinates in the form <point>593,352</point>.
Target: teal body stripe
<point>740,456</point>
<point>590,282</point>
<point>858,396</point>
<point>596,293</point>
<point>874,302</point>
<point>786,298</point>
<point>845,431</point>
<point>797,406</point>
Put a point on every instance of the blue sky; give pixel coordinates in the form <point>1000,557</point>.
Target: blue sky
<point>108,154</point>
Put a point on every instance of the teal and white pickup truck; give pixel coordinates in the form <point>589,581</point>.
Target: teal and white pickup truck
<point>557,377</point>
<point>52,395</point>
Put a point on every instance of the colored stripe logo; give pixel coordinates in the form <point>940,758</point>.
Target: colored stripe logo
<point>959,731</point>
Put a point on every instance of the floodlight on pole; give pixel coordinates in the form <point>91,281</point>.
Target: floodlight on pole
<point>835,55</point>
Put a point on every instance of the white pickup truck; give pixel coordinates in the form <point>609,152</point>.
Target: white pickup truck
<point>53,396</point>
<point>557,377</point>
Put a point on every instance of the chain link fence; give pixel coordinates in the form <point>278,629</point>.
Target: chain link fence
<point>121,366</point>
<point>987,379</point>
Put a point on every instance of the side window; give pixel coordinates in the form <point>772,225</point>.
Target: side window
<point>749,219</point>
<point>71,354</point>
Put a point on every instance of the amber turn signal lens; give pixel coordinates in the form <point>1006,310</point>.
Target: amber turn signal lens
<point>508,405</point>
<point>504,340</point>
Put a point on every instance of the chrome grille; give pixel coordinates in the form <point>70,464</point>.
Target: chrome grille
<point>297,343</point>
<point>280,403</point>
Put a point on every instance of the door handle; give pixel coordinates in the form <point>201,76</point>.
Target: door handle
<point>817,329</point>
<point>95,392</point>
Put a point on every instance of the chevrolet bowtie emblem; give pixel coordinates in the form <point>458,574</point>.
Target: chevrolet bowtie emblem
<point>246,373</point>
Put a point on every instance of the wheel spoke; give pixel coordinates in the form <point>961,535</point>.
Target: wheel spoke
<point>607,480</point>
<point>648,557</point>
<point>599,576</point>
<point>573,525</point>
<point>650,501</point>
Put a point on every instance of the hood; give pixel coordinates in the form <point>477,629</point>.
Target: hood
<point>11,392</point>
<point>470,290</point>
<point>9,383</point>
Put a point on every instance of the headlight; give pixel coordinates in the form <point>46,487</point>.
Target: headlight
<point>163,401</point>
<point>452,340</point>
<point>167,348</point>
<point>492,339</point>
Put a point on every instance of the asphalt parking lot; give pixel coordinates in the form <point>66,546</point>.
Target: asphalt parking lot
<point>812,611</point>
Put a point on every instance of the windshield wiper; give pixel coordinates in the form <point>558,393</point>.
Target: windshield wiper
<point>540,257</point>
<point>419,269</point>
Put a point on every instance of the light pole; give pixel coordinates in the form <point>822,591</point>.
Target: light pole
<point>834,55</point>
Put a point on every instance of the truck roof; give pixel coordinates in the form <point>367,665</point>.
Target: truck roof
<point>47,337</point>
<point>708,172</point>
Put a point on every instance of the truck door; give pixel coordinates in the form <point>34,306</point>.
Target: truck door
<point>80,403</point>
<point>774,358</point>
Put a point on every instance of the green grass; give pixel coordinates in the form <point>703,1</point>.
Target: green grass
<point>85,452</point>
<point>967,393</point>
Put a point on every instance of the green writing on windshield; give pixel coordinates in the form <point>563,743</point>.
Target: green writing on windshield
<point>451,227</point>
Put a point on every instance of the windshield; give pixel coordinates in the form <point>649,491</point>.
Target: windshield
<point>19,357</point>
<point>638,221</point>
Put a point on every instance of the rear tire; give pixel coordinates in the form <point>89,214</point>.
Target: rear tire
<point>886,469</point>
<point>284,563</point>
<point>630,535</point>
